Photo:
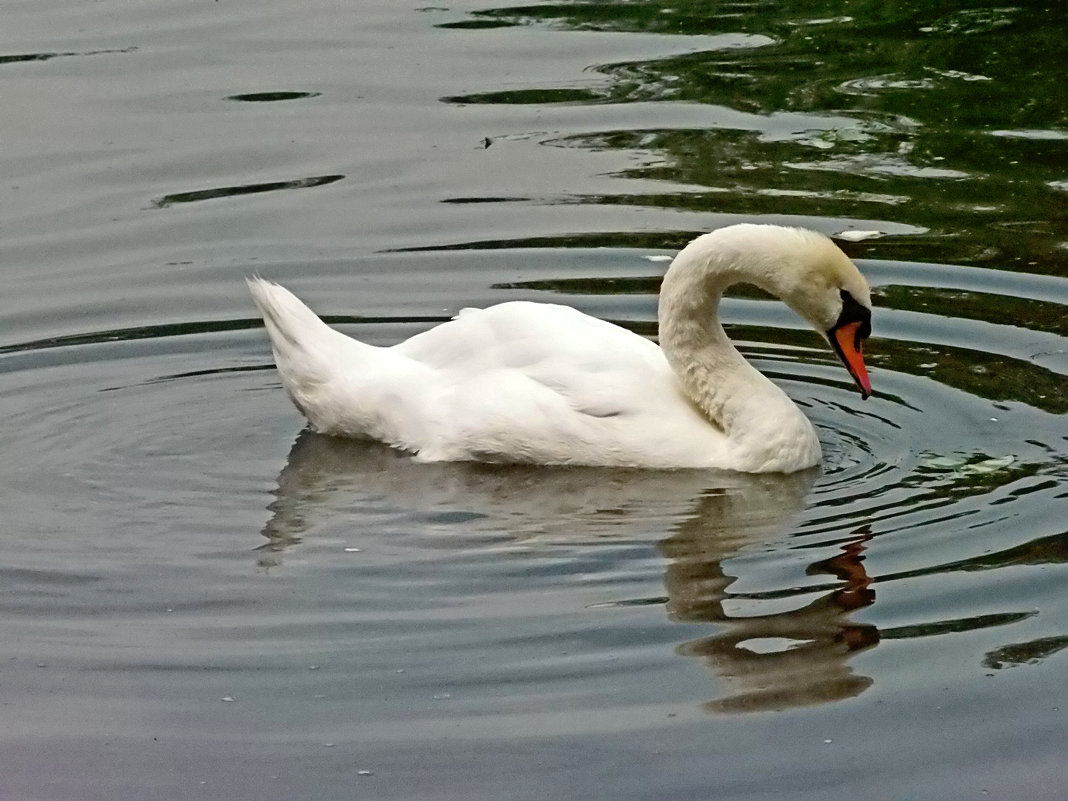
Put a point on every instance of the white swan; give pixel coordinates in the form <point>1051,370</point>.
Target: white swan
<point>541,383</point>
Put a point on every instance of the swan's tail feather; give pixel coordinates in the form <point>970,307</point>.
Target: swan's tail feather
<point>307,351</point>
<point>290,324</point>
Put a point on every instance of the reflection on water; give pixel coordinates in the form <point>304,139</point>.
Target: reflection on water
<point>1025,652</point>
<point>23,57</point>
<point>720,515</point>
<point>778,660</point>
<point>905,114</point>
<point>272,97</point>
<point>538,503</point>
<point>247,189</point>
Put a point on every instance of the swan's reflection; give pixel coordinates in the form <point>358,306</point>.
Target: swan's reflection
<point>809,663</point>
<point>720,514</point>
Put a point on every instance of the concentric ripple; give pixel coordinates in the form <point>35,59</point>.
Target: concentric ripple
<point>179,440</point>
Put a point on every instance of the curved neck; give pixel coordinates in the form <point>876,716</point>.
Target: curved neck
<point>759,419</point>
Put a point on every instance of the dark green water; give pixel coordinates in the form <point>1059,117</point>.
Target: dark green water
<point>200,601</point>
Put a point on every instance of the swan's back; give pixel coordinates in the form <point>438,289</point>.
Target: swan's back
<point>536,382</point>
<point>537,336</point>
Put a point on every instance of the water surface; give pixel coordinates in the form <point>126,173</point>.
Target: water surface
<point>201,600</point>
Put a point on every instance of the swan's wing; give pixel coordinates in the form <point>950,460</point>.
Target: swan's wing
<point>596,366</point>
<point>521,334</point>
<point>544,383</point>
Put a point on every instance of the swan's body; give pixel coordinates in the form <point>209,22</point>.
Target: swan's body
<point>541,383</point>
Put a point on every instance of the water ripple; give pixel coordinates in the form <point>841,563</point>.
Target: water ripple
<point>246,189</point>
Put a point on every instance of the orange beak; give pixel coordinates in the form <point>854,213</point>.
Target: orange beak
<point>848,344</point>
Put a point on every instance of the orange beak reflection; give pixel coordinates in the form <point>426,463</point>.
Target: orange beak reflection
<point>849,345</point>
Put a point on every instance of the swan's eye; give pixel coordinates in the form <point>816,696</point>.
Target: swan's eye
<point>854,312</point>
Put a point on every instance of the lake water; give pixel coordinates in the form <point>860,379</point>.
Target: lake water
<point>201,601</point>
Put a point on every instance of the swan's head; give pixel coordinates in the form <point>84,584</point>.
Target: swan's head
<point>826,288</point>
<point>812,276</point>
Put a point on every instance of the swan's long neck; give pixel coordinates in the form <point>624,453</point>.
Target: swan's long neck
<point>766,430</point>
